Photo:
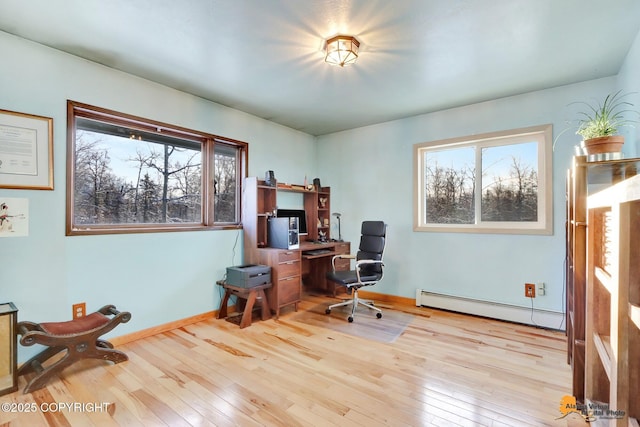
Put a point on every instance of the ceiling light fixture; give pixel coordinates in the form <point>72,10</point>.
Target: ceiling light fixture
<point>342,50</point>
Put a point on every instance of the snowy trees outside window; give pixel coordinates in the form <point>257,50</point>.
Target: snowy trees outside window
<point>132,175</point>
<point>497,183</point>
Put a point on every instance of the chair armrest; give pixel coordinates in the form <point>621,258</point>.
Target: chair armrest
<point>341,256</point>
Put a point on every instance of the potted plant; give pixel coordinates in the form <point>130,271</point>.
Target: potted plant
<point>599,124</point>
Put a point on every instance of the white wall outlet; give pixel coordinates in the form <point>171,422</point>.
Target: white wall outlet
<point>541,289</point>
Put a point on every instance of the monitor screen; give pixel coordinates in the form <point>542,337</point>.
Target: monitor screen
<point>296,213</point>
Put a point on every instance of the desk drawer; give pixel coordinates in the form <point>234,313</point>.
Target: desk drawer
<point>343,264</point>
<point>289,290</point>
<point>285,256</point>
<point>288,269</point>
<point>342,248</point>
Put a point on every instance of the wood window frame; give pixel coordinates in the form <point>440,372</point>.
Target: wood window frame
<point>209,141</point>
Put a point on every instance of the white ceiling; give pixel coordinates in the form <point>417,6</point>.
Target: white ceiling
<point>265,57</point>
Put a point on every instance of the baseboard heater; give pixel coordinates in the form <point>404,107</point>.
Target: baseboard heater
<point>495,310</point>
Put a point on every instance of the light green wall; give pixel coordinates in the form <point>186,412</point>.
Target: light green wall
<point>629,83</point>
<point>157,277</point>
<point>376,162</point>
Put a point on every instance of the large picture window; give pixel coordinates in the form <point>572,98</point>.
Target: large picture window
<point>128,174</point>
<point>491,183</point>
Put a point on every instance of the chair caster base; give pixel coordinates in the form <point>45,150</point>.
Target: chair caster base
<point>378,315</point>
<point>327,311</point>
<point>350,319</point>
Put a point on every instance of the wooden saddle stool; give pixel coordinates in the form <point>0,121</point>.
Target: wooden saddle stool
<point>79,337</point>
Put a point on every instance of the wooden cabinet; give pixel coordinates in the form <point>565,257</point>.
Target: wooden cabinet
<point>286,277</point>
<point>576,258</point>
<point>612,360</point>
<point>8,348</point>
<point>584,179</point>
<point>603,286</point>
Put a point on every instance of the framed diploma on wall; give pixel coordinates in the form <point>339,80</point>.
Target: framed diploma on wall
<point>26,151</point>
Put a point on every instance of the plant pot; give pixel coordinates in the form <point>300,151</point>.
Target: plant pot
<point>604,144</point>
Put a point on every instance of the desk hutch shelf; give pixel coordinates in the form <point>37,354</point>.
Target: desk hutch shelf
<point>317,204</point>
<point>259,205</point>
<point>261,201</point>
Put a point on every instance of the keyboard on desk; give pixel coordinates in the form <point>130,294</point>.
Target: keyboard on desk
<point>317,252</point>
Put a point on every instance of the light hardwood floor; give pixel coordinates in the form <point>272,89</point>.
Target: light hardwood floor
<point>445,369</point>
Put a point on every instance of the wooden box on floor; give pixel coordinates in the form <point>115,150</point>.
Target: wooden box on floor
<point>8,348</point>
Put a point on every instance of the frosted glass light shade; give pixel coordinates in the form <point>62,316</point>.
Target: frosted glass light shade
<point>342,50</point>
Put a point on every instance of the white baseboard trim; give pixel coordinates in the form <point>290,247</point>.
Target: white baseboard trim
<point>495,310</point>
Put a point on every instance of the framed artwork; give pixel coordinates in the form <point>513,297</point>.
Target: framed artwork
<point>26,151</point>
<point>14,217</point>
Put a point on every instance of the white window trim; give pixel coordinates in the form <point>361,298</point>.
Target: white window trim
<point>544,225</point>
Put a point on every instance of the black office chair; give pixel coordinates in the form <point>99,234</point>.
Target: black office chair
<point>369,267</point>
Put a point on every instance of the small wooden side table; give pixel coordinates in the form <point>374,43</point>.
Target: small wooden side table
<point>251,295</point>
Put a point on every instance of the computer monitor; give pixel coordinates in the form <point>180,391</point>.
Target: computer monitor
<point>296,213</point>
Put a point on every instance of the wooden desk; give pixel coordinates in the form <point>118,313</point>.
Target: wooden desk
<point>316,261</point>
<point>251,295</point>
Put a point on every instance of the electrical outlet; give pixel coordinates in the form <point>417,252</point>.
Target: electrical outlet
<point>529,290</point>
<point>79,310</point>
<point>541,289</point>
